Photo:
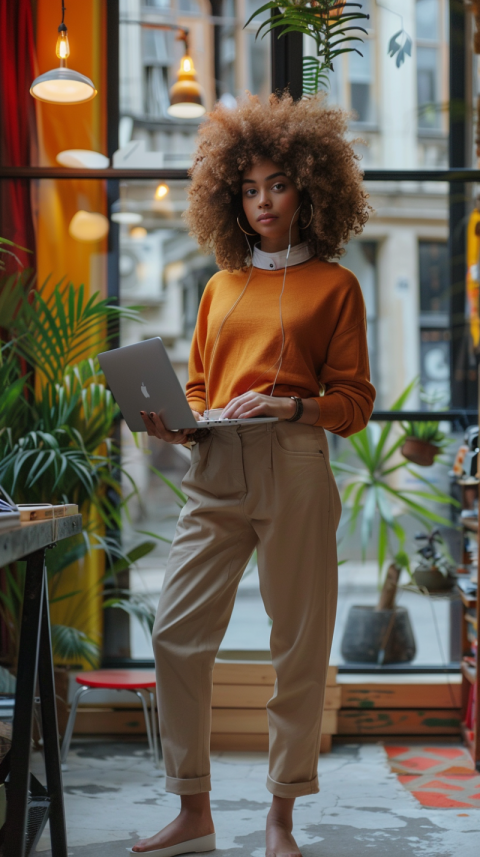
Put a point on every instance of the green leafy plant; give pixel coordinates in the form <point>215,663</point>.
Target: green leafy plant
<point>56,422</point>
<point>433,554</point>
<point>69,642</point>
<point>6,249</point>
<point>427,431</point>
<point>370,497</point>
<point>333,26</point>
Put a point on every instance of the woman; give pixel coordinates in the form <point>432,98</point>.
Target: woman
<point>281,332</point>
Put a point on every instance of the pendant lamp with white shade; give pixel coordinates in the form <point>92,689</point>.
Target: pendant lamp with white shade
<point>63,85</point>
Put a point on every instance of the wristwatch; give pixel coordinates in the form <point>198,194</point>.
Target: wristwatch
<point>298,410</point>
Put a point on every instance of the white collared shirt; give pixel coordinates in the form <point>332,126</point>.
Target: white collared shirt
<point>274,261</point>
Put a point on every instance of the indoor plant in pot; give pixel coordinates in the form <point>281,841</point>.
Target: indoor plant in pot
<point>435,571</point>
<point>422,442</point>
<point>56,424</point>
<point>383,633</point>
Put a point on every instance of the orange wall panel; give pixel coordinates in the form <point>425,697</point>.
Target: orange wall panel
<point>76,126</point>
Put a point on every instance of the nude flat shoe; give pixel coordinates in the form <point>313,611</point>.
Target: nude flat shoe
<point>191,846</point>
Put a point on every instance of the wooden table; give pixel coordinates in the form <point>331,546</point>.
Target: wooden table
<point>29,542</point>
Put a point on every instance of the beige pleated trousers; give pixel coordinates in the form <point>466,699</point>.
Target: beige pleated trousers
<point>268,487</point>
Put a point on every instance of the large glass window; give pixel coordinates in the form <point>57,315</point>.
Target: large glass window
<point>404,279</point>
<point>401,260</point>
<point>398,99</point>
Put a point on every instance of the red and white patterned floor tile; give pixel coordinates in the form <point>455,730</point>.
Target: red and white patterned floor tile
<point>437,776</point>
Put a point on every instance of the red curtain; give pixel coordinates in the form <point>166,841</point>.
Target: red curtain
<point>17,124</point>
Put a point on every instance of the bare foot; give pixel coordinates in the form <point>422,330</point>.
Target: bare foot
<point>194,820</point>
<point>280,842</point>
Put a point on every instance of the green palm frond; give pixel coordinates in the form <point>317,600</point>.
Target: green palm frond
<point>136,605</point>
<point>56,444</point>
<point>74,646</point>
<point>13,290</point>
<point>369,497</point>
<point>333,34</point>
<point>64,327</point>
<point>4,244</point>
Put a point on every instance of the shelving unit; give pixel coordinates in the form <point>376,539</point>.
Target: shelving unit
<point>470,707</point>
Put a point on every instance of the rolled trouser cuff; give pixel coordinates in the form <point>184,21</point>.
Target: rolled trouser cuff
<point>290,790</point>
<point>193,786</point>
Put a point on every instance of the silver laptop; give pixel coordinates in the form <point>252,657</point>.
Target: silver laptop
<point>142,378</point>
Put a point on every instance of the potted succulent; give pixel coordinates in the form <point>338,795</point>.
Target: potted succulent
<point>422,442</point>
<point>435,571</point>
<point>382,633</point>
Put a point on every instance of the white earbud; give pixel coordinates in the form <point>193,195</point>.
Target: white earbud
<point>290,232</point>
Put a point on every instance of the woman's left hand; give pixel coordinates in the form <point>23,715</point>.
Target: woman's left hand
<point>254,404</point>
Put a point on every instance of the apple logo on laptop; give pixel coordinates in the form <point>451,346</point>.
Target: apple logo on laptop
<point>145,391</point>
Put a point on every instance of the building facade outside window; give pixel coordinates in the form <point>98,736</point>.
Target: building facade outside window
<point>430,23</point>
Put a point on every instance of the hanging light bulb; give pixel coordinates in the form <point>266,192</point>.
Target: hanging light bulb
<point>63,85</point>
<point>161,191</point>
<point>186,100</point>
<point>62,49</point>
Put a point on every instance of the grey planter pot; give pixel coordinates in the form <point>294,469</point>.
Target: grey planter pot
<point>368,630</point>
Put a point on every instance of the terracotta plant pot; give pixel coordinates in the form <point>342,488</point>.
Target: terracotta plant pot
<point>433,580</point>
<point>420,452</point>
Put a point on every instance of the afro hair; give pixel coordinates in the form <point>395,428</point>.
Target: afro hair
<point>307,140</point>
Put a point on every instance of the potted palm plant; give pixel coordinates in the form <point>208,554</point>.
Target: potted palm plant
<point>56,422</point>
<point>382,633</point>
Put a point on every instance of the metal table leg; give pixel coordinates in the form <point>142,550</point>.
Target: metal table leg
<point>71,722</point>
<point>23,717</point>
<point>146,715</point>
<point>153,713</point>
<point>58,831</point>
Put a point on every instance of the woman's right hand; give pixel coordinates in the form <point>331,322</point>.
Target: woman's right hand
<point>156,428</point>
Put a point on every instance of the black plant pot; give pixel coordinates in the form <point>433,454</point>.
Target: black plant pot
<point>368,631</point>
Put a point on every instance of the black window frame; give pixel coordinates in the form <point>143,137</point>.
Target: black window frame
<point>286,70</point>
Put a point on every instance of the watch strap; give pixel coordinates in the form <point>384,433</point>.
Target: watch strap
<point>298,410</point>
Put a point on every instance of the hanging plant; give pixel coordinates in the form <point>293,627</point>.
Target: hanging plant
<point>330,23</point>
<point>422,442</point>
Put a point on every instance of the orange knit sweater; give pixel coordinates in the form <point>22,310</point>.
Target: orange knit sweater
<point>325,342</point>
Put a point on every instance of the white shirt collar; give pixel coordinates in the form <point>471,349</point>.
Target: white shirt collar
<point>274,261</point>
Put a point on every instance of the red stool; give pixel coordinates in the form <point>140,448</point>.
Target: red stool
<point>140,682</point>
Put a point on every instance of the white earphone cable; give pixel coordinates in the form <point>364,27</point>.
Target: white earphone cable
<point>227,316</point>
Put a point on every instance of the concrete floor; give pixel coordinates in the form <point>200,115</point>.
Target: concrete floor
<point>114,795</point>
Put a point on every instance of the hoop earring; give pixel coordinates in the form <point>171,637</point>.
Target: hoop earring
<point>311,218</point>
<point>243,230</point>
